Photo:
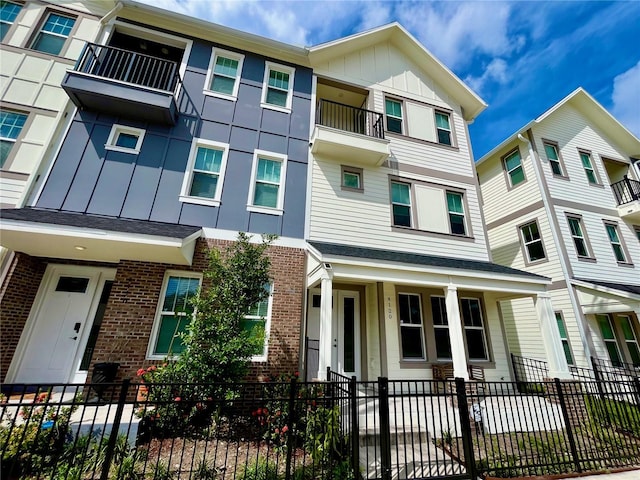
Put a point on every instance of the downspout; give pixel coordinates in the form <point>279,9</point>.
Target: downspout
<point>557,242</point>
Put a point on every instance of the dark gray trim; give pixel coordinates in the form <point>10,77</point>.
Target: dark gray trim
<point>58,10</point>
<point>593,165</point>
<point>427,233</point>
<point>623,287</point>
<point>585,207</point>
<point>516,214</point>
<point>525,252</point>
<point>18,106</point>
<point>623,245</point>
<point>14,175</point>
<point>585,237</point>
<point>382,332</point>
<point>404,362</point>
<point>17,144</point>
<point>36,53</point>
<point>556,145</point>
<point>507,178</point>
<point>454,137</point>
<point>559,285</point>
<point>427,172</point>
<point>389,134</point>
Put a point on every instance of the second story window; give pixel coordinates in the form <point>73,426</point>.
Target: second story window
<point>579,238</point>
<point>125,139</point>
<point>278,86</point>
<point>401,204</point>
<point>8,14</point>
<point>513,166</point>
<point>266,194</point>
<point>443,125</point>
<point>456,213</point>
<point>393,110</point>
<point>205,173</point>
<point>554,158</point>
<point>616,242</point>
<point>53,34</point>
<point>585,157</point>
<point>223,77</point>
<point>532,241</point>
<point>11,124</point>
<point>352,178</point>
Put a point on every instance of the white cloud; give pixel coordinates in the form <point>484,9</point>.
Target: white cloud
<point>626,99</point>
<point>495,71</point>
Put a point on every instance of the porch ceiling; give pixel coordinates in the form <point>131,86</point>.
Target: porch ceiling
<point>607,297</point>
<point>54,234</point>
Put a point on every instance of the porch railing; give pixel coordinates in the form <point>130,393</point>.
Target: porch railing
<point>350,119</point>
<point>626,190</point>
<point>129,67</point>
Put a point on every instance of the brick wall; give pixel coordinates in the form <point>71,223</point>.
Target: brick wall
<point>17,294</point>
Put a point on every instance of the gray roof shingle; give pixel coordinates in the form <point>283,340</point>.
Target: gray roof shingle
<point>623,287</point>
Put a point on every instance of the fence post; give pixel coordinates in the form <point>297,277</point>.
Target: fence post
<point>355,427</point>
<point>385,427</point>
<point>115,428</point>
<point>636,384</point>
<point>567,423</point>
<point>465,427</point>
<point>290,423</point>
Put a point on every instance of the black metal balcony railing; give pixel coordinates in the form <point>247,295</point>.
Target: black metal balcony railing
<point>127,66</point>
<point>350,119</point>
<point>626,190</point>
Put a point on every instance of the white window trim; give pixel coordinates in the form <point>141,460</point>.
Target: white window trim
<point>613,340</point>
<point>218,52</point>
<point>482,328</point>
<point>450,129</point>
<point>188,174</point>
<point>463,214</point>
<point>268,66</point>
<point>403,120</point>
<point>279,209</point>
<point>560,317</point>
<point>582,236</point>
<point>442,327</point>
<point>521,166</point>
<point>412,325</point>
<point>619,243</point>
<point>116,130</point>
<point>267,327</point>
<point>411,206</point>
<point>634,340</point>
<point>155,330</point>
<point>526,244</point>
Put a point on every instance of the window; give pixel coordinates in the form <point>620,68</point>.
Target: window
<point>257,322</point>
<point>456,213</point>
<point>8,13</point>
<point>401,204</point>
<point>174,313</point>
<point>393,109</point>
<point>277,90</point>
<point>564,338</point>
<point>532,242</point>
<point>125,139</point>
<point>223,76</point>
<point>513,167</point>
<point>441,328</point>
<point>53,34</point>
<point>205,173</point>
<point>443,125</point>
<point>630,339</point>
<point>588,168</point>
<point>471,312</point>
<point>266,194</point>
<point>411,335</point>
<point>616,243</point>
<point>579,240</point>
<point>609,339</point>
<point>636,228</point>
<point>554,158</point>
<point>352,179</point>
<point>11,124</point>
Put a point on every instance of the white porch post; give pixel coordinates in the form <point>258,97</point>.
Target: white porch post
<point>558,367</point>
<point>326,326</point>
<point>458,355</point>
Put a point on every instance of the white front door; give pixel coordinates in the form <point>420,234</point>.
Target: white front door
<point>59,323</point>
<point>346,312</point>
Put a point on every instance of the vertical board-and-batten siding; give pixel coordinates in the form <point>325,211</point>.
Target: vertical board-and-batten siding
<point>87,178</point>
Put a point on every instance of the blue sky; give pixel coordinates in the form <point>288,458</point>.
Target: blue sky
<point>520,57</point>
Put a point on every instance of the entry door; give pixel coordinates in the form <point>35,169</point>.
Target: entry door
<point>64,306</point>
<point>348,328</point>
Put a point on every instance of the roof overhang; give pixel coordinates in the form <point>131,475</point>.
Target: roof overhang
<point>622,291</point>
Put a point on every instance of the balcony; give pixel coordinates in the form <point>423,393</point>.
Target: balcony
<point>627,193</point>
<point>347,133</point>
<point>124,83</point>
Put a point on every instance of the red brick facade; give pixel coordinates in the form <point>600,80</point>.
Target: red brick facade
<point>131,309</point>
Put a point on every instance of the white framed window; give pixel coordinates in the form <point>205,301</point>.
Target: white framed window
<point>352,178</point>
<point>258,319</point>
<point>393,111</point>
<point>553,155</point>
<point>513,167</point>
<point>616,242</point>
<point>277,87</point>
<point>578,236</point>
<point>609,339</point>
<point>441,328</point>
<point>562,330</point>
<point>401,204</point>
<point>587,164</point>
<point>53,33</point>
<point>204,175</point>
<point>455,206</point>
<point>125,139</point>
<point>223,76</point>
<point>630,338</point>
<point>266,193</point>
<point>411,327</point>
<point>11,125</point>
<point>443,127</point>
<point>473,324</point>
<point>532,241</point>
<point>174,313</point>
<point>8,14</point>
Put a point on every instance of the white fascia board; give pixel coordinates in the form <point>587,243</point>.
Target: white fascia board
<point>607,290</point>
<point>512,138</point>
<point>232,236</point>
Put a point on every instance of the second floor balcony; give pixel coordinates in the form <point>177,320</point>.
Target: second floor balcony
<point>124,83</point>
<point>347,133</point>
<point>627,193</point>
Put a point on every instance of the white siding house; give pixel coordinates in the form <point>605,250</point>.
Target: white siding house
<point>582,190</point>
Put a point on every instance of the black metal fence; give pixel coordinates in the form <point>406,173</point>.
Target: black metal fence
<point>312,358</point>
<point>350,119</point>
<point>626,190</point>
<point>341,428</point>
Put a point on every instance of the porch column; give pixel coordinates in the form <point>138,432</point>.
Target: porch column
<point>325,346</point>
<point>558,367</point>
<point>456,336</point>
